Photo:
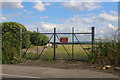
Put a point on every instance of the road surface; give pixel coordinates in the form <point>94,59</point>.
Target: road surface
<point>13,71</point>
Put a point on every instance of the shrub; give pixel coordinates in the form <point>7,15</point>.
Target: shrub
<point>106,52</point>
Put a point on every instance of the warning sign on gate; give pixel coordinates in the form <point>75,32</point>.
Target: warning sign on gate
<point>64,39</point>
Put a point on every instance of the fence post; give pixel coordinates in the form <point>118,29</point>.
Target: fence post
<point>1,45</point>
<point>20,42</point>
<point>93,32</point>
<point>37,39</point>
<point>72,43</point>
<point>54,56</point>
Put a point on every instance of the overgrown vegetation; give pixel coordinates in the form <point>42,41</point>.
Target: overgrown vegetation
<point>106,52</point>
<point>11,41</point>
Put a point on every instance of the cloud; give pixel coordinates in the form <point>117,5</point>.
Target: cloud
<point>112,27</point>
<point>103,25</point>
<point>4,18</point>
<point>47,4</point>
<point>27,11</point>
<point>49,25</point>
<point>102,32</point>
<point>44,17</point>
<point>78,18</point>
<point>40,6</point>
<point>12,5</point>
<point>114,12</point>
<point>82,23</point>
<point>79,22</point>
<point>105,29</point>
<point>42,22</point>
<point>61,19</point>
<point>115,0</point>
<point>80,6</point>
<point>108,17</point>
<point>43,27</point>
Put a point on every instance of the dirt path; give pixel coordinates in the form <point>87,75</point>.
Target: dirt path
<point>65,64</point>
<point>43,72</point>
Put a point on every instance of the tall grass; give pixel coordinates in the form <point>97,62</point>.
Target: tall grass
<point>10,53</point>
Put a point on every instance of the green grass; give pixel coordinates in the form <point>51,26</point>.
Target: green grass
<point>79,53</point>
<point>31,56</point>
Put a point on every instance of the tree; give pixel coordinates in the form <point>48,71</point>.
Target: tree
<point>38,39</point>
<point>11,31</point>
<point>11,40</point>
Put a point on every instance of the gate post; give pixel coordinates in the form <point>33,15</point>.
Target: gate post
<point>20,42</point>
<point>37,39</point>
<point>1,44</point>
<point>72,43</point>
<point>54,56</point>
<point>93,32</point>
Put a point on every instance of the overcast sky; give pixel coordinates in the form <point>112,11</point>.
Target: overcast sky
<point>63,15</point>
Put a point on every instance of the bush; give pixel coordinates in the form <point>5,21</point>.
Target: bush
<point>106,52</point>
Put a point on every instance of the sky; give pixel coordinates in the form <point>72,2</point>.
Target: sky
<point>64,15</point>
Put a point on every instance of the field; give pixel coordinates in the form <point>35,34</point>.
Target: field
<point>47,54</point>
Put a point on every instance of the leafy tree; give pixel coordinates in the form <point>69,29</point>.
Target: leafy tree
<point>11,40</point>
<point>38,39</point>
<point>13,30</point>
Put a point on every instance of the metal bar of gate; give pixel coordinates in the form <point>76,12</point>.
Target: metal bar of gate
<point>54,55</point>
<point>65,33</point>
<point>27,49</point>
<point>43,48</point>
<point>81,44</point>
<point>72,43</point>
<point>37,40</point>
<point>40,53</point>
<point>64,47</point>
<point>58,33</point>
<point>93,31</point>
<point>30,45</point>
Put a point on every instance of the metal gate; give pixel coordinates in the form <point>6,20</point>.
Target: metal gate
<point>55,36</point>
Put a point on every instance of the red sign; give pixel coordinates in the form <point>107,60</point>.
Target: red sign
<point>64,39</point>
